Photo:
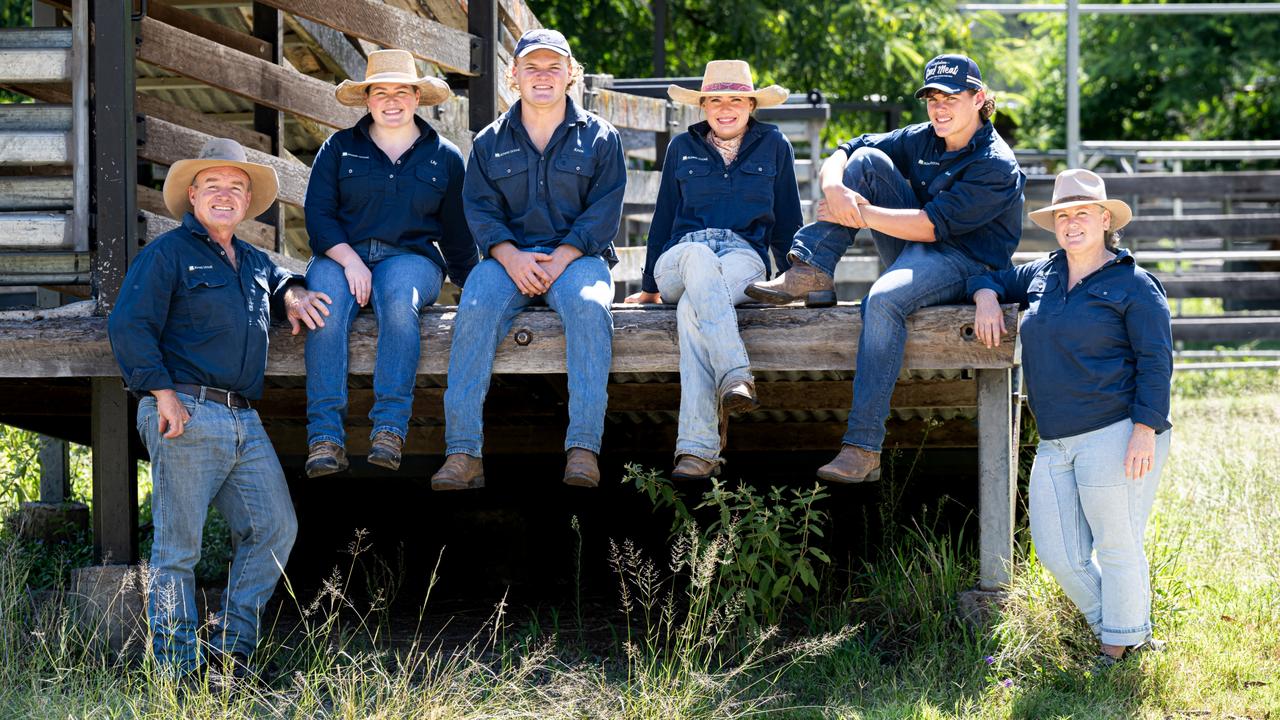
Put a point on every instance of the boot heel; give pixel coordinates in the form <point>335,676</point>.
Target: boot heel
<point>820,299</point>
<point>873,476</point>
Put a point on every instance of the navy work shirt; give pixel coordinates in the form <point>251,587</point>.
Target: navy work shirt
<point>186,316</point>
<point>756,197</point>
<point>973,196</point>
<point>570,193</point>
<point>356,193</point>
<point>1096,353</point>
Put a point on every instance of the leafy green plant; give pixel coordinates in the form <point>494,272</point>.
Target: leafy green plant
<point>770,555</point>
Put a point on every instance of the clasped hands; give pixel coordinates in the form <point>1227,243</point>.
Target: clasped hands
<point>533,272</point>
<point>842,206</point>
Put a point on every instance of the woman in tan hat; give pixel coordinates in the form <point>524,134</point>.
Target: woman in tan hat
<point>728,196</point>
<point>385,220</point>
<point>1098,354</point>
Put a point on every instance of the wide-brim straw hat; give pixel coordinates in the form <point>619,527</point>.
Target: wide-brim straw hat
<point>1077,187</point>
<point>220,152</point>
<point>395,67</point>
<point>729,78</point>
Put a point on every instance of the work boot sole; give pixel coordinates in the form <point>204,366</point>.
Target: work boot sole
<point>686,477</point>
<point>739,404</point>
<point>318,470</point>
<point>817,298</point>
<point>580,480</point>
<point>834,477</point>
<point>386,460</point>
<point>450,484</point>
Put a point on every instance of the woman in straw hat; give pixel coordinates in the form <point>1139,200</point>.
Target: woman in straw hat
<point>385,220</point>
<point>728,196</point>
<point>1098,353</point>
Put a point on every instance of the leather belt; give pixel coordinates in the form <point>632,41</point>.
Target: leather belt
<point>230,398</point>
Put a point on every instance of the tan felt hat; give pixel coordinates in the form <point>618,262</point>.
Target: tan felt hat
<point>395,67</point>
<point>220,152</point>
<point>729,78</point>
<point>1076,187</point>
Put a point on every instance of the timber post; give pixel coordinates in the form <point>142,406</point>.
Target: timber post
<point>268,26</point>
<point>997,476</point>
<point>482,88</point>
<point>115,486</point>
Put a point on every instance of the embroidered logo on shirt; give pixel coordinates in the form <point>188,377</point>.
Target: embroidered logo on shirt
<point>692,157</point>
<point>927,162</point>
<point>504,153</point>
<point>193,268</point>
<point>347,154</point>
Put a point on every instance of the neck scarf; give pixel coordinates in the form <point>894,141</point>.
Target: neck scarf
<point>728,149</point>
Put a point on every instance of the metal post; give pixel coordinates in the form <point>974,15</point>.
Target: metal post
<point>482,89</point>
<point>113,139</point>
<point>1073,83</point>
<point>115,480</point>
<point>268,26</point>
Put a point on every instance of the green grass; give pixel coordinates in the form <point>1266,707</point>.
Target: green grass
<point>880,641</point>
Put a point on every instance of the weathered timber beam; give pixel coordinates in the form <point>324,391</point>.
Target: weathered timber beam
<point>777,339</point>
<point>44,268</point>
<point>160,224</point>
<point>330,46</point>
<point>1226,329</point>
<point>208,29</point>
<point>35,231</point>
<point>642,187</point>
<point>38,117</point>
<point>26,193</point>
<point>242,74</point>
<point>997,477</point>
<point>1233,285</point>
<point>28,65</point>
<point>34,148</point>
<point>390,27</point>
<point>168,143</point>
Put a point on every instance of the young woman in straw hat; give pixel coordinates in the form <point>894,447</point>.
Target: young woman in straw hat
<point>1098,353</point>
<point>728,196</point>
<point>385,220</point>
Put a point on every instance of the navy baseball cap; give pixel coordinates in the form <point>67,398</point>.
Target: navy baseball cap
<point>951,74</point>
<point>542,39</point>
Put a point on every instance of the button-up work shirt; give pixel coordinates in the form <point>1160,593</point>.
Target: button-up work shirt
<point>973,196</point>
<point>356,193</point>
<point>184,315</point>
<point>756,196</point>
<point>1096,353</point>
<point>570,193</point>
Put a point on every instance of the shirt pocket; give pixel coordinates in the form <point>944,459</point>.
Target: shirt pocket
<point>354,184</point>
<point>1106,296</point>
<point>577,165</point>
<point>431,182</point>
<point>207,306</point>
<point>756,180</point>
<point>696,183</point>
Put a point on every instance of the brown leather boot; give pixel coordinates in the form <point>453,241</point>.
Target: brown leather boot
<point>852,465</point>
<point>581,468</point>
<point>802,282</point>
<point>385,450</point>
<point>693,468</point>
<point>459,472</point>
<point>739,396</point>
<point>325,458</point>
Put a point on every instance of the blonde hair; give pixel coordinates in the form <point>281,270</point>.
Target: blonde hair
<point>575,73</point>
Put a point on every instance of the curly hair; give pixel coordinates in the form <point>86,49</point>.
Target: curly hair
<point>988,105</point>
<point>575,73</point>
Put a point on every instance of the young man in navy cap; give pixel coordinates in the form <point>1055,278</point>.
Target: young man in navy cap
<point>543,196</point>
<point>943,201</point>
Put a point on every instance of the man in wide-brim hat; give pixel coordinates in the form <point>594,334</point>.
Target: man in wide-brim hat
<point>189,332</point>
<point>943,201</point>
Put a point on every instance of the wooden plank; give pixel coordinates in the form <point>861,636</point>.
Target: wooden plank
<point>1231,285</point>
<point>35,231</point>
<point>168,143</point>
<point>242,74</point>
<point>35,38</point>
<point>44,268</point>
<point>35,117</point>
<point>330,46</point>
<point>389,27</point>
<point>209,29</point>
<point>777,339</point>
<point>198,121</point>
<point>630,111</point>
<point>517,17</point>
<point>157,225</point>
<point>34,148</point>
<point>642,187</point>
<point>35,193</point>
<point>34,66</point>
<point>115,478</point>
<point>997,482</point>
<point>1238,328</point>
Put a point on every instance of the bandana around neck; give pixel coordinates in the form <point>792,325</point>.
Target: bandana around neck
<point>728,149</point>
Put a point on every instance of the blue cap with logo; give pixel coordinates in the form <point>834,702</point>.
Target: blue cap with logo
<point>951,74</point>
<point>542,39</point>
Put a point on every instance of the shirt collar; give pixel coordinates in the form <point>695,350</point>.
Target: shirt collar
<point>193,226</point>
<point>1059,258</point>
<point>573,114</point>
<point>981,137</point>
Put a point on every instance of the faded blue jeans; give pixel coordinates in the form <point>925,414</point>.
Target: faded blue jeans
<point>403,283</point>
<point>705,275</point>
<point>222,457</point>
<point>1082,506</point>
<point>917,275</point>
<point>490,302</point>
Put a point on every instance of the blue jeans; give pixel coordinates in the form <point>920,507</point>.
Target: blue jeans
<point>403,283</point>
<point>223,457</point>
<point>1081,505</point>
<point>917,275</point>
<point>705,275</point>
<point>582,296</point>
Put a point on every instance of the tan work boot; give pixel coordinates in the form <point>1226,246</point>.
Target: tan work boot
<point>325,458</point>
<point>386,449</point>
<point>739,396</point>
<point>581,468</point>
<point>694,468</point>
<point>459,472</point>
<point>802,282</point>
<point>852,465</point>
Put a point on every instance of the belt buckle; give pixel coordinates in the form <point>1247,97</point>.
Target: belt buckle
<point>228,401</point>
